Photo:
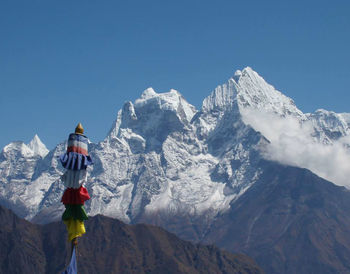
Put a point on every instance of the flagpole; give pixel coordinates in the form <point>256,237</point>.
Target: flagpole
<point>75,160</point>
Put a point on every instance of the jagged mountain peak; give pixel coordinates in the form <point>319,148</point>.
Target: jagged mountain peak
<point>247,89</point>
<point>254,92</point>
<point>237,75</point>
<point>34,148</point>
<point>163,165</point>
<point>157,137</point>
<point>151,110</point>
<point>246,72</point>
<point>328,115</point>
<point>171,100</point>
<point>148,93</point>
<point>329,126</point>
<point>18,148</point>
<point>37,146</point>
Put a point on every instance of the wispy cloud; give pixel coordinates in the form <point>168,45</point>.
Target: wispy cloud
<point>292,144</point>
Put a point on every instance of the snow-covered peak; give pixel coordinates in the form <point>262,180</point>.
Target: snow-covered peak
<point>148,93</point>
<point>221,98</point>
<point>20,149</point>
<point>37,146</point>
<point>237,75</point>
<point>171,100</point>
<point>255,92</point>
<point>328,125</point>
<point>152,116</point>
<point>160,157</point>
<point>17,149</point>
<point>329,119</point>
<point>247,89</point>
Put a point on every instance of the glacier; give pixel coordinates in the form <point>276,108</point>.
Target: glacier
<point>162,156</point>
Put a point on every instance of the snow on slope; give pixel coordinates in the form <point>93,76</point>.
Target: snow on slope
<point>163,156</point>
<point>22,183</point>
<point>163,165</point>
<point>38,147</point>
<point>317,141</point>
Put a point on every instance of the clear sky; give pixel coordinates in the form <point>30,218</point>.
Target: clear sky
<point>64,62</point>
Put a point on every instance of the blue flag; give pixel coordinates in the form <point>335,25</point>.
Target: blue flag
<point>72,268</point>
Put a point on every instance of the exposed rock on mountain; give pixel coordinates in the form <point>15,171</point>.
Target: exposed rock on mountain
<point>166,163</point>
<point>162,156</point>
<point>290,221</point>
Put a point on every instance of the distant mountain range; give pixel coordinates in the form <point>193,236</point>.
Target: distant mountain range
<point>233,173</point>
<point>110,247</point>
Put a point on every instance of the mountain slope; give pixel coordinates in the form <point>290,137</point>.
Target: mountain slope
<point>109,247</point>
<point>164,156</point>
<point>20,245</point>
<point>290,221</point>
<point>164,162</point>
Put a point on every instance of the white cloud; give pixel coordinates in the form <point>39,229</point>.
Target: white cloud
<point>292,144</point>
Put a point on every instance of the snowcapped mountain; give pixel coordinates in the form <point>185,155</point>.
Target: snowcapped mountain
<point>232,173</point>
<point>27,172</point>
<point>38,147</point>
<point>163,157</point>
<point>329,126</point>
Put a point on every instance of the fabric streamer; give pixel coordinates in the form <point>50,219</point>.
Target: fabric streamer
<point>75,212</point>
<point>74,178</point>
<point>72,268</point>
<point>76,157</point>
<point>75,196</point>
<point>75,228</point>
<point>75,160</point>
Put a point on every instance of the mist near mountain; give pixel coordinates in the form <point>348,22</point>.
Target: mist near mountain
<point>164,162</point>
<point>293,142</point>
<point>162,154</point>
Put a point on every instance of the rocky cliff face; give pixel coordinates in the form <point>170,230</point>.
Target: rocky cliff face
<point>163,156</point>
<point>166,163</point>
<point>290,221</point>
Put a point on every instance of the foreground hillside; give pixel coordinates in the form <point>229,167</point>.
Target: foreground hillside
<point>110,246</point>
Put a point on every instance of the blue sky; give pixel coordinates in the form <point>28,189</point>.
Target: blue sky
<point>64,62</point>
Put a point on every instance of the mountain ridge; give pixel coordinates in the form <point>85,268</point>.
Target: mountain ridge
<point>165,129</point>
<point>292,216</point>
<point>109,246</point>
<point>166,163</point>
